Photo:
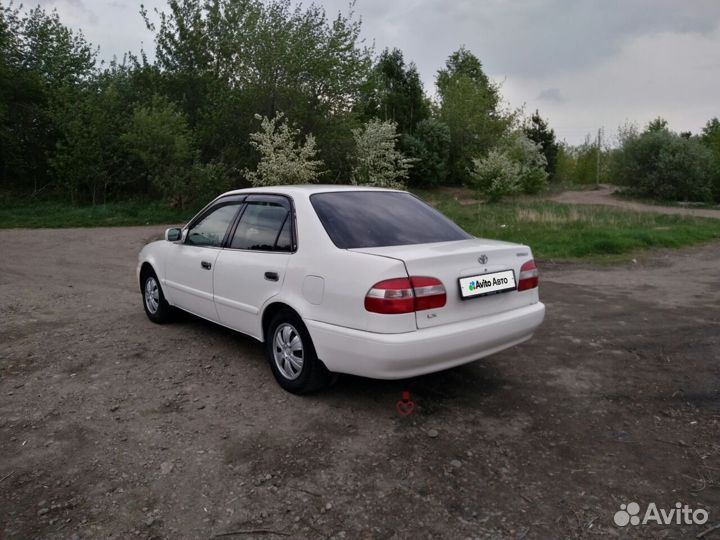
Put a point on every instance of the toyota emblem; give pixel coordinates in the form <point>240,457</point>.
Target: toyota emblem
<point>482,259</point>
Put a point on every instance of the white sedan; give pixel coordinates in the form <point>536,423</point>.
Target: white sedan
<point>344,279</point>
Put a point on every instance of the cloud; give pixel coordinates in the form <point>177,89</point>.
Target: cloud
<point>532,38</point>
<point>75,7</point>
<point>552,95</point>
<point>114,25</point>
<point>661,74</point>
<point>618,59</point>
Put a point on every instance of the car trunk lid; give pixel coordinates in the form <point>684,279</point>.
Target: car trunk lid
<point>450,261</point>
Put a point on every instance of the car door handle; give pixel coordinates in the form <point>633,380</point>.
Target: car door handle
<point>206,265</point>
<point>272,276</point>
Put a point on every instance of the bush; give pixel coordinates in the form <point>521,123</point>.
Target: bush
<point>663,165</point>
<point>496,175</point>
<point>533,181</point>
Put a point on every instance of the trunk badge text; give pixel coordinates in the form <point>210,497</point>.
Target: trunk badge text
<point>482,259</point>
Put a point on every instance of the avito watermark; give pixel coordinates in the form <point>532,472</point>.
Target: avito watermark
<point>682,514</point>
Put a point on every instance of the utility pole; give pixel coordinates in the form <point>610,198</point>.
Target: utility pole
<point>597,172</point>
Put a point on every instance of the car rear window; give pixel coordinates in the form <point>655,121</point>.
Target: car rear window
<point>360,219</point>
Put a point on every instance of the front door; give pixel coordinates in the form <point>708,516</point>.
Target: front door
<point>190,264</point>
<point>251,269</point>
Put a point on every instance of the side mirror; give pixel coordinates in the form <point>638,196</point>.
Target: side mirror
<point>173,235</point>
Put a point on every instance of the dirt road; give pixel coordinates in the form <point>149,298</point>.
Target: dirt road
<point>114,427</point>
<point>604,196</point>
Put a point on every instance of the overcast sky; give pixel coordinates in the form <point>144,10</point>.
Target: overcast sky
<point>584,64</point>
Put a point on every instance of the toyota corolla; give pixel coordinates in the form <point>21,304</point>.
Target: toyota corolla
<point>344,279</point>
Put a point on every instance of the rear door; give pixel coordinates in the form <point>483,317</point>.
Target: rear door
<point>251,269</point>
<point>190,263</point>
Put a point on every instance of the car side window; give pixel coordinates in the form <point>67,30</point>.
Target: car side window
<point>210,230</point>
<point>284,241</point>
<point>264,226</point>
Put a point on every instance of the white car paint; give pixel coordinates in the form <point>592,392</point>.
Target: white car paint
<point>327,286</point>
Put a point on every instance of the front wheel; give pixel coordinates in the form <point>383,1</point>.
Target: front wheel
<point>291,355</point>
<point>156,307</point>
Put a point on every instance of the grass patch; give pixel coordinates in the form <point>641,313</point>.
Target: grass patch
<point>562,231</point>
<point>553,230</point>
<point>16,213</point>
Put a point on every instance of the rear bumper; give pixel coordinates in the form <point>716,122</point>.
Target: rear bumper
<point>397,356</point>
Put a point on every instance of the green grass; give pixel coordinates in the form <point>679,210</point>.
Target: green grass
<point>35,214</point>
<point>561,231</point>
<point>553,230</point>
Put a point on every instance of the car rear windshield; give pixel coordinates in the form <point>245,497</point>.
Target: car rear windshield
<point>361,219</point>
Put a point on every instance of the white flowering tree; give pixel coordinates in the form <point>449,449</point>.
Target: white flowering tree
<point>496,175</point>
<point>516,165</point>
<point>283,159</point>
<point>377,160</point>
<point>530,159</point>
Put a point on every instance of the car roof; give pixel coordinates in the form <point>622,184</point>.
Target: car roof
<point>306,189</point>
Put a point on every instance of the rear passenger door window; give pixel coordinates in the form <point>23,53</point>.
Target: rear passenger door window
<point>265,225</point>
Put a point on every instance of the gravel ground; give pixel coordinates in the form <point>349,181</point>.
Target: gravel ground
<point>604,196</point>
<point>113,427</point>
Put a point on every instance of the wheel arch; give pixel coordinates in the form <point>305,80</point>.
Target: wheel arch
<point>270,311</point>
<point>145,269</point>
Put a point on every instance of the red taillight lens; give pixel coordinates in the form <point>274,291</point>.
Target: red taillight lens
<point>405,295</point>
<point>429,293</point>
<point>391,296</point>
<point>528,278</point>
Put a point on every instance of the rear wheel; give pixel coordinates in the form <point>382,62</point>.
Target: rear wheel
<point>291,355</point>
<point>156,307</point>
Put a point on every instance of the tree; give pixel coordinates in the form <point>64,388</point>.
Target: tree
<point>495,175</point>
<point>516,165</point>
<point>537,130</point>
<point>661,164</point>
<point>394,92</point>
<point>224,60</point>
<point>565,165</point>
<point>39,59</point>
<point>710,137</point>
<point>470,106</point>
<point>88,157</point>
<point>283,160</point>
<point>53,51</point>
<point>377,160</point>
<point>530,160</point>
<point>658,124</point>
<point>158,134</point>
<point>429,146</point>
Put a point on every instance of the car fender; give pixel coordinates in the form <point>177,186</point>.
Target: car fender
<point>285,297</point>
<point>154,255</point>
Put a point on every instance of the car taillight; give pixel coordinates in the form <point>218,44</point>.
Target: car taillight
<point>405,295</point>
<point>528,278</point>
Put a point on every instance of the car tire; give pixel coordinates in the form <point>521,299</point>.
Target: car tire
<point>156,307</point>
<point>292,357</point>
